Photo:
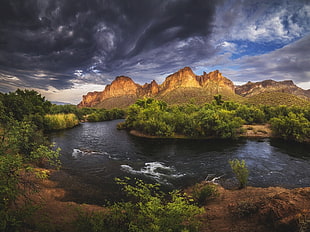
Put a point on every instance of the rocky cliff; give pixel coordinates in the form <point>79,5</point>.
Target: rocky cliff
<point>251,89</point>
<point>124,91</point>
<point>121,86</point>
<point>184,86</point>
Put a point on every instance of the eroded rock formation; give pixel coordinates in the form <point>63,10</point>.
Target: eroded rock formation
<point>288,86</point>
<point>122,86</point>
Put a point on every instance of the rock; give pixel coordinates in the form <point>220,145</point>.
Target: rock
<point>184,78</point>
<point>287,86</point>
<point>124,87</point>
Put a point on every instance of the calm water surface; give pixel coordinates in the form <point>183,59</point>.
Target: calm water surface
<point>93,154</point>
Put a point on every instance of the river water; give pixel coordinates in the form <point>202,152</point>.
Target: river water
<point>93,154</point>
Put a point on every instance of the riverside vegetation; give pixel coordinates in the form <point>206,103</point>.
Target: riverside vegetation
<point>221,119</point>
<point>25,116</point>
<point>149,209</point>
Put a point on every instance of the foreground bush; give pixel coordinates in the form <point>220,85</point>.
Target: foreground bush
<point>241,171</point>
<point>19,152</point>
<point>149,210</point>
<point>203,193</point>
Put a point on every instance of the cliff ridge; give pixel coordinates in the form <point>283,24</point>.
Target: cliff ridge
<point>125,89</point>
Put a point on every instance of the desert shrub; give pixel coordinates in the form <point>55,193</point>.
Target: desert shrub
<point>241,171</point>
<point>202,194</point>
<point>149,210</point>
<point>243,209</point>
<point>60,121</point>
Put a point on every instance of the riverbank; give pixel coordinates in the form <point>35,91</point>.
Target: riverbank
<point>250,209</point>
<point>247,131</point>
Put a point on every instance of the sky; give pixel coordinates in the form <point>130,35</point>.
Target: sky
<point>66,48</point>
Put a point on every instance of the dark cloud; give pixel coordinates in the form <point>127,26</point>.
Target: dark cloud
<point>59,43</point>
<point>59,36</point>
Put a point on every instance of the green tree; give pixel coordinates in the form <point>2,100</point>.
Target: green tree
<point>291,127</point>
<point>22,145</point>
<point>26,105</point>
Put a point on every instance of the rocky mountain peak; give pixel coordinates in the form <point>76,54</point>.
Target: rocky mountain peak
<point>123,87</point>
<point>287,86</point>
<point>184,78</point>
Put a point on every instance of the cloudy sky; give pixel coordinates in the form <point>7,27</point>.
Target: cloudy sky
<point>65,48</point>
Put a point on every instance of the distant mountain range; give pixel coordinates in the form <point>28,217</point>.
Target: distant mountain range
<point>185,86</point>
<point>60,103</point>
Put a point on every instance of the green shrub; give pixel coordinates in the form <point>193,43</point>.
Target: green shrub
<point>149,210</point>
<point>241,171</point>
<point>202,193</point>
<point>60,121</point>
<point>292,127</point>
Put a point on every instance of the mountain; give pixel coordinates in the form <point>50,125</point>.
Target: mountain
<point>185,86</point>
<point>251,89</point>
<point>123,91</point>
<point>60,103</point>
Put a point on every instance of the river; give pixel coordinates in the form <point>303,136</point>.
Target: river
<point>93,154</point>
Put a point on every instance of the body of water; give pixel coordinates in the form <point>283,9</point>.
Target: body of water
<point>93,154</point>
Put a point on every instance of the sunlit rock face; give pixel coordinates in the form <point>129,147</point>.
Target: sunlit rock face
<point>120,86</point>
<point>215,79</point>
<point>123,86</point>
<point>288,86</point>
<point>90,99</point>
<point>149,90</point>
<point>184,78</point>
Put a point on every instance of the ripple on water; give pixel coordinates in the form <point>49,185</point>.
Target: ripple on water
<point>156,170</point>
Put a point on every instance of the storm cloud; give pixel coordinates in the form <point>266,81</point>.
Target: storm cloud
<point>63,44</point>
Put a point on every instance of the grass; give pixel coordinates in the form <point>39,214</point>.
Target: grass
<point>60,121</point>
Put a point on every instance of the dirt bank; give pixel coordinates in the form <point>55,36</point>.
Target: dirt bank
<point>272,209</point>
<point>259,210</point>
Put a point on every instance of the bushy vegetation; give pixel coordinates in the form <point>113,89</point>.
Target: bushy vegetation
<point>203,193</point>
<point>293,126</point>
<point>149,210</point>
<point>60,121</point>
<point>241,171</point>
<point>22,146</point>
<point>105,115</point>
<point>222,119</point>
<point>69,109</point>
<point>154,117</point>
<point>89,114</point>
